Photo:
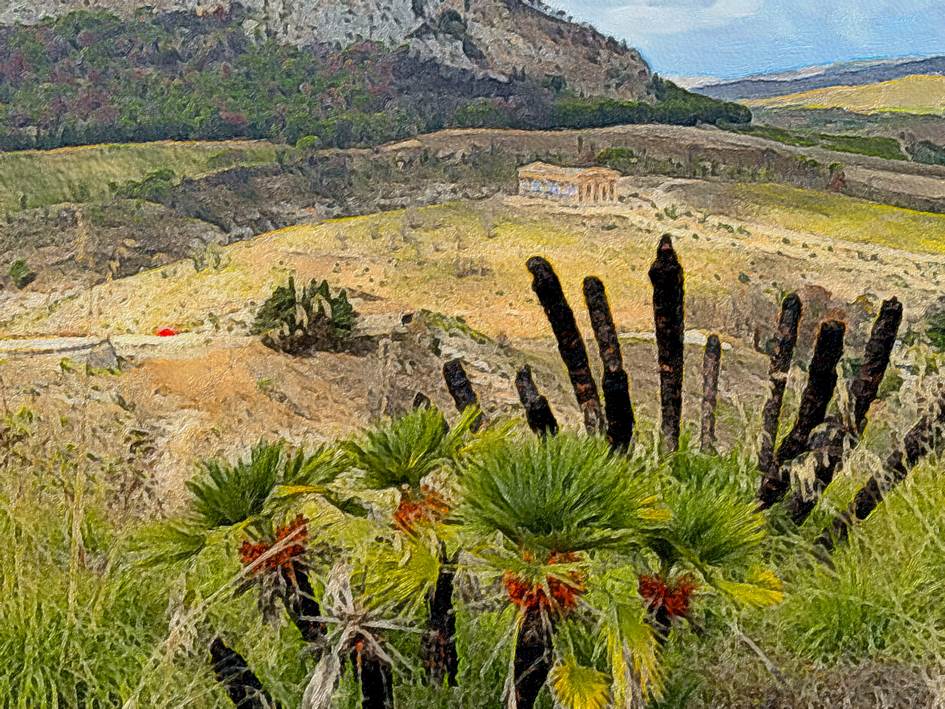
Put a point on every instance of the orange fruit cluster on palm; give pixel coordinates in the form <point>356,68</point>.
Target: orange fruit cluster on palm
<point>672,598</point>
<point>290,539</point>
<point>556,594</point>
<point>430,508</point>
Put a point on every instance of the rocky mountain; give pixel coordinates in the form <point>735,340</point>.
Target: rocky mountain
<point>497,38</point>
<point>812,78</point>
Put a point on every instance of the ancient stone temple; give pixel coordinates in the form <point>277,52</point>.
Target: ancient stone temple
<point>572,185</point>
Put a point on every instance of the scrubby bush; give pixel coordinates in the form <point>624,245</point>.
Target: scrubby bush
<point>311,319</point>
<point>21,274</point>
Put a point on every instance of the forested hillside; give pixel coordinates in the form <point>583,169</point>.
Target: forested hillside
<point>92,77</point>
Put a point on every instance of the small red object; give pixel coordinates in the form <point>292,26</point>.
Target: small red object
<point>167,332</point>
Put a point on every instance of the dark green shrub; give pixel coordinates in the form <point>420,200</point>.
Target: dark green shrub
<point>21,273</point>
<point>311,319</point>
<point>154,187</point>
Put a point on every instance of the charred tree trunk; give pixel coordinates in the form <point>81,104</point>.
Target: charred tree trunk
<point>537,410</point>
<point>821,382</point>
<point>300,603</point>
<point>666,275</point>
<point>241,683</point>
<point>924,437</point>
<point>461,388</point>
<point>616,385</point>
<point>547,287</point>
<point>533,657</point>
<point>781,360</point>
<point>879,349</point>
<point>375,676</point>
<point>711,366</point>
<point>863,390</point>
<point>439,641</point>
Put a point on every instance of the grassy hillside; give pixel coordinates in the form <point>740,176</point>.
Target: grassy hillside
<point>751,241</point>
<point>913,94</point>
<point>38,178</point>
<point>838,217</point>
<point>91,77</point>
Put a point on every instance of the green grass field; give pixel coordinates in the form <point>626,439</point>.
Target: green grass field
<point>32,178</point>
<point>839,217</point>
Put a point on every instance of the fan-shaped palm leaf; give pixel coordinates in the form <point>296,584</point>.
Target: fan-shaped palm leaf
<point>578,687</point>
<point>405,450</point>
<point>564,494</point>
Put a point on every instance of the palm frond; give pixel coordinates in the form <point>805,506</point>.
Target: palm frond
<point>405,450</point>
<point>398,576</point>
<point>576,686</point>
<point>710,527</point>
<point>633,648</point>
<point>224,494</point>
<point>760,589</point>
<point>566,494</point>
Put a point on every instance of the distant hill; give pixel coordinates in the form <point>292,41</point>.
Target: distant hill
<point>493,38</point>
<point>924,95</point>
<point>90,77</point>
<point>812,78</point>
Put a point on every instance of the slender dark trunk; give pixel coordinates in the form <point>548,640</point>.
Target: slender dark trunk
<point>538,412</point>
<point>821,382</point>
<point>924,437</point>
<point>879,349</point>
<point>375,676</point>
<point>864,388</point>
<point>666,275</point>
<point>241,683</point>
<point>300,603</point>
<point>711,366</point>
<point>547,287</point>
<point>781,359</point>
<point>533,657</point>
<point>461,389</point>
<point>439,641</point>
<point>616,384</point>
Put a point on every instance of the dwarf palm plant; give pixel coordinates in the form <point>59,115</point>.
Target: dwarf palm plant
<point>567,513</point>
<point>410,456</point>
<point>250,500</point>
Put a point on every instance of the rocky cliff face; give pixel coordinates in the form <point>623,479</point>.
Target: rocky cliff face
<point>492,37</point>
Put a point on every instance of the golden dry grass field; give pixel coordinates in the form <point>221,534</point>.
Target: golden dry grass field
<point>919,94</point>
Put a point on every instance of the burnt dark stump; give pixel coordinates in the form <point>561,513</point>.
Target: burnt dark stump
<point>615,383</point>
<point>666,275</point>
<point>821,382</point>
<point>781,359</point>
<point>461,389</point>
<point>711,367</point>
<point>240,682</point>
<point>571,347</point>
<point>533,657</point>
<point>538,411</point>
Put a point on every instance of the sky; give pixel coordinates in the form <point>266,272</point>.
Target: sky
<point>733,38</point>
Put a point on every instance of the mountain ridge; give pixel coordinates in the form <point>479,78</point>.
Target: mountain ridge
<point>496,38</point>
<point>813,78</point>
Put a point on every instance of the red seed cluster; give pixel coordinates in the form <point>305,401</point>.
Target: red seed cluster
<point>430,508</point>
<point>296,532</point>
<point>560,597</point>
<point>673,598</point>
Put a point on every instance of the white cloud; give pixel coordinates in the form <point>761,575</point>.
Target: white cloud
<point>652,17</point>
